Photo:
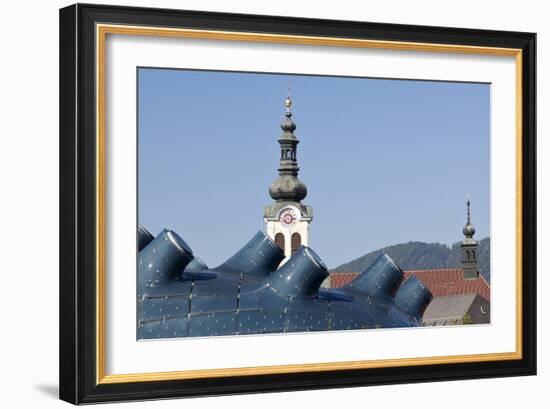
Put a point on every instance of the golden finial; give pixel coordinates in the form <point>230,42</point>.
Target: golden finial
<point>288,101</point>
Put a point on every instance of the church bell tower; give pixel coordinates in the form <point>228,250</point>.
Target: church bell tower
<point>469,247</point>
<point>287,220</point>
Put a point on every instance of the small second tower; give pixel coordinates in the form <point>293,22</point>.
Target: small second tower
<point>469,247</point>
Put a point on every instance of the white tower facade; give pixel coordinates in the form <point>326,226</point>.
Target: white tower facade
<point>287,220</point>
<point>288,225</point>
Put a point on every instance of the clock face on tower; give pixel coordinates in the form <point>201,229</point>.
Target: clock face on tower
<point>288,216</point>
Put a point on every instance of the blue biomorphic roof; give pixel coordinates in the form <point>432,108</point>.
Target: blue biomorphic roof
<point>252,293</point>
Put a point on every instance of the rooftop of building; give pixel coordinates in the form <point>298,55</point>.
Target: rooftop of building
<point>440,282</point>
<point>450,308</point>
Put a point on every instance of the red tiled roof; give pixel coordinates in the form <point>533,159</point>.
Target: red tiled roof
<point>440,282</point>
<point>341,279</point>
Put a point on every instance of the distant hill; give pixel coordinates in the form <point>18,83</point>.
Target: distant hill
<point>416,255</point>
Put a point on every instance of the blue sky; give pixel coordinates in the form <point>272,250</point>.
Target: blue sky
<point>385,161</point>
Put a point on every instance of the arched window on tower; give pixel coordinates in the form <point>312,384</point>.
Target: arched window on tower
<point>280,241</point>
<point>295,242</point>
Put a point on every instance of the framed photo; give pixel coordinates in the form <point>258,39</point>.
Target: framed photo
<point>203,253</point>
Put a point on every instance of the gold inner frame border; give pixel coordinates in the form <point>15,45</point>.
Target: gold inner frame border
<point>102,30</point>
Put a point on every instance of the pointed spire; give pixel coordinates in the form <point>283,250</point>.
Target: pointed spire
<point>288,104</point>
<point>468,208</point>
<point>288,187</point>
<point>288,101</point>
<point>468,230</point>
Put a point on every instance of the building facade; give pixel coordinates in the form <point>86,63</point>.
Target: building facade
<point>459,309</point>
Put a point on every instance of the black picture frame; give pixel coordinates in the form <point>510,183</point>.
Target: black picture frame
<point>78,236</point>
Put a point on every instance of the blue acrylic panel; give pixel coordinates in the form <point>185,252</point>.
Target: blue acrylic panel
<point>254,293</point>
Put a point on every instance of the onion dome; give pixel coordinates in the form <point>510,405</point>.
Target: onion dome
<point>288,188</point>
